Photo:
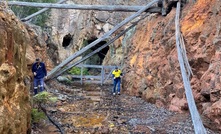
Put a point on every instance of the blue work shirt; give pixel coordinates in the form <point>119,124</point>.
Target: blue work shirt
<point>39,69</point>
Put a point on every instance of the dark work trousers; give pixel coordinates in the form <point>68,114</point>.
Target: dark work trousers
<point>38,83</point>
<point>117,84</point>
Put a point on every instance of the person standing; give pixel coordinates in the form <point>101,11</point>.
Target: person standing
<point>117,80</point>
<point>39,71</point>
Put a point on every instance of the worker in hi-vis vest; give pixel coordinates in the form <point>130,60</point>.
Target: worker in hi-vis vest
<point>117,80</point>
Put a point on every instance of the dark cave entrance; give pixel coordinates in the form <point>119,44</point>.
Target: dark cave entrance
<point>169,5</point>
<point>98,58</point>
<point>67,40</point>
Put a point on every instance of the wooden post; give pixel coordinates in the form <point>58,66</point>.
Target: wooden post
<point>102,75</point>
<point>197,123</point>
<point>122,8</point>
<point>82,74</point>
<point>108,76</point>
<point>105,36</point>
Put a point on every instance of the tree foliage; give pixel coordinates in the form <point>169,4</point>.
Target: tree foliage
<point>23,12</point>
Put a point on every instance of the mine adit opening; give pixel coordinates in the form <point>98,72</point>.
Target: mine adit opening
<point>169,4</point>
<point>98,58</point>
<point>67,40</point>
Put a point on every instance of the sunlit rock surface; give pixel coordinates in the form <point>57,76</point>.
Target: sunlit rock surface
<point>152,69</point>
<point>14,92</point>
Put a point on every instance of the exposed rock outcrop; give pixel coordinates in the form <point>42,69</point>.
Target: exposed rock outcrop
<point>152,68</point>
<point>86,25</point>
<point>40,47</point>
<point>15,109</point>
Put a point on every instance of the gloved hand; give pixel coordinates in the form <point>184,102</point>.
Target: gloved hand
<point>35,73</point>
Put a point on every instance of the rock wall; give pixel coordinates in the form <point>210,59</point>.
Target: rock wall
<point>39,47</point>
<point>152,69</point>
<point>14,92</point>
<point>85,25</point>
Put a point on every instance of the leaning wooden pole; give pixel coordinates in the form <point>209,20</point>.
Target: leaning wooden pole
<point>197,122</point>
<point>105,36</point>
<point>39,12</point>
<point>122,8</point>
<point>96,51</point>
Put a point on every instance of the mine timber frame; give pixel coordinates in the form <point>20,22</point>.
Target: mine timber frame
<point>97,50</point>
<point>102,38</point>
<point>119,8</point>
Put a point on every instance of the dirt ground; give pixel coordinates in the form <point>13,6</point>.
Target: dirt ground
<point>92,109</point>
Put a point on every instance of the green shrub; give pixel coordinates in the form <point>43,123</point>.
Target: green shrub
<point>37,115</point>
<point>77,71</point>
<point>40,98</point>
<point>44,97</point>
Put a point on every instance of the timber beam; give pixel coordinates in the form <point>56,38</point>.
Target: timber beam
<point>120,8</point>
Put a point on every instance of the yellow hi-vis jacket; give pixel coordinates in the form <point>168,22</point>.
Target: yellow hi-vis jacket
<point>117,73</point>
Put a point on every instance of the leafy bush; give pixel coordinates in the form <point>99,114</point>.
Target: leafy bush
<point>38,99</point>
<point>23,12</point>
<point>77,71</point>
<point>37,115</point>
<point>44,97</point>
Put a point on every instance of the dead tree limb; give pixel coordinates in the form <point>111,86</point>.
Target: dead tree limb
<point>197,122</point>
<point>85,7</point>
<point>105,36</point>
<point>40,11</point>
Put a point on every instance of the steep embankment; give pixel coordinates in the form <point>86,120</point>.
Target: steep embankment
<point>152,68</point>
<point>14,94</point>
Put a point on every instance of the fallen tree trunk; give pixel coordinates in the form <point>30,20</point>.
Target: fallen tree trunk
<point>197,122</point>
<point>85,7</point>
<point>40,11</point>
<point>105,36</point>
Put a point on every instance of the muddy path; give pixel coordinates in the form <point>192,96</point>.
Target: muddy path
<point>92,109</point>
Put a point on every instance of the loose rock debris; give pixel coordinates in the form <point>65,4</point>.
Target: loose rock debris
<point>92,109</point>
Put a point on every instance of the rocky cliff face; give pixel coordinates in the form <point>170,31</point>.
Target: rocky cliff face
<point>70,30</point>
<point>14,94</point>
<point>152,69</point>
